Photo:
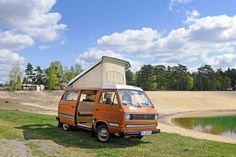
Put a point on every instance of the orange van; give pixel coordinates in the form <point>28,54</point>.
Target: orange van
<point>114,109</point>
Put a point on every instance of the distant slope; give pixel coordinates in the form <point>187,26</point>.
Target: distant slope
<point>180,101</point>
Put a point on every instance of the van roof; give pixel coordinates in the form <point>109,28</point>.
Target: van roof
<point>112,86</point>
<point>119,86</point>
<point>104,58</point>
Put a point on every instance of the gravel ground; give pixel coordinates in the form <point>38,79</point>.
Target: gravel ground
<point>14,148</point>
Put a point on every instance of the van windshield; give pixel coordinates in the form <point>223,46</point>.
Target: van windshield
<point>134,98</point>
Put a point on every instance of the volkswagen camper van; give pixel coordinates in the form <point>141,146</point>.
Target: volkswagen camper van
<point>114,109</point>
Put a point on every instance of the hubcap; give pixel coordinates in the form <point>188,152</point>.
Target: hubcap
<point>65,126</point>
<point>103,134</point>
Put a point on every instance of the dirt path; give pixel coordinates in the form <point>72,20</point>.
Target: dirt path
<point>41,148</point>
<point>14,148</point>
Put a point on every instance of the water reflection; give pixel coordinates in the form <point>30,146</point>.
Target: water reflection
<point>220,125</point>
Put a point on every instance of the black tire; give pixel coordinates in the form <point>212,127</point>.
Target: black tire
<point>102,134</point>
<point>59,124</point>
<point>66,127</point>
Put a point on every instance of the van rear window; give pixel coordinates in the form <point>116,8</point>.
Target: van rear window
<point>71,95</point>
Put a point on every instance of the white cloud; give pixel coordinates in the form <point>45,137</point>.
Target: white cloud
<point>90,57</point>
<point>129,40</point>
<point>223,61</point>
<point>135,64</point>
<point>200,37</point>
<point>22,22</point>
<point>7,60</point>
<point>12,41</point>
<point>174,2</point>
<point>31,17</point>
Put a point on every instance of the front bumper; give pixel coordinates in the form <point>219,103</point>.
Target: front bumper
<point>138,133</point>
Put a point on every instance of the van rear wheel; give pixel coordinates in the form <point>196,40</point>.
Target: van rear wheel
<point>102,133</point>
<point>66,127</point>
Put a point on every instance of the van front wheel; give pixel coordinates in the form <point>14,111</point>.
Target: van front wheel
<point>102,133</point>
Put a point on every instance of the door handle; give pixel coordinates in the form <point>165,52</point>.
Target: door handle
<point>72,107</point>
<point>97,109</point>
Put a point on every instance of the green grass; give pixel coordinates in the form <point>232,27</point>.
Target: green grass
<point>29,127</point>
<point>35,150</point>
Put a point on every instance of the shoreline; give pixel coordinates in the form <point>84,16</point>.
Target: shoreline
<point>166,124</point>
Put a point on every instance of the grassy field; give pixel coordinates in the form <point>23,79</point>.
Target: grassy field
<point>36,130</point>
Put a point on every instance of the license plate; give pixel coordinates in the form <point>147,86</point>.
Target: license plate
<point>143,133</point>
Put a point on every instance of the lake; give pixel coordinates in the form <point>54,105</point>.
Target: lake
<point>218,125</point>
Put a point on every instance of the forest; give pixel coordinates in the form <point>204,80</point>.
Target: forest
<point>178,78</point>
<point>149,77</point>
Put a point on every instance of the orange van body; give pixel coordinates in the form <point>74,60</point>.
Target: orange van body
<point>89,108</point>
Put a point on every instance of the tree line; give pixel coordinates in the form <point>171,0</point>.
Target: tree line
<point>160,77</point>
<point>49,77</point>
<point>149,77</point>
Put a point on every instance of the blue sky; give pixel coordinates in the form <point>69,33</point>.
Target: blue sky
<point>189,32</point>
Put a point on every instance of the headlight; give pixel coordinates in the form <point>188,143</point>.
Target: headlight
<point>127,116</point>
<point>156,117</point>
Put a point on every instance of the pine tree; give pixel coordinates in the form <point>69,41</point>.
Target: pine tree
<point>39,75</point>
<point>29,73</point>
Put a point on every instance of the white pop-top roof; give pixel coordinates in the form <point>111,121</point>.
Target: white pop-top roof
<point>114,60</point>
<point>119,86</point>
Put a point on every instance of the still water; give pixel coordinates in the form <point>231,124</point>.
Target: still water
<point>220,125</point>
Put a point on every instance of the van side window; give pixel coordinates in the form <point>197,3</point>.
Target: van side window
<point>108,98</point>
<point>71,95</point>
<point>88,96</point>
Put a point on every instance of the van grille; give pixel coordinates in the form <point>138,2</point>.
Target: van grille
<point>142,117</point>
